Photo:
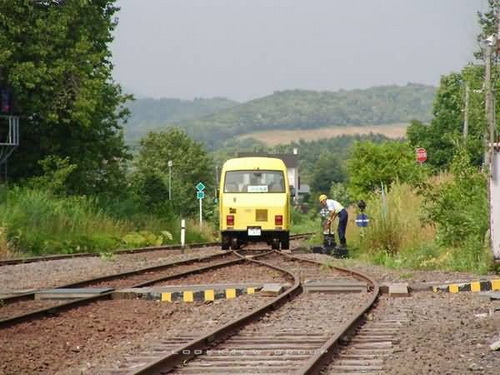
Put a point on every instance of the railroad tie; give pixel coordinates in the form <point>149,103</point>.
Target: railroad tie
<point>474,286</point>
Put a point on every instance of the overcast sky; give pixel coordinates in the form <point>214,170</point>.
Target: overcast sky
<point>244,49</point>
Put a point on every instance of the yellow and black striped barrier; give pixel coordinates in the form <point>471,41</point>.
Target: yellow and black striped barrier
<point>205,295</point>
<point>474,286</point>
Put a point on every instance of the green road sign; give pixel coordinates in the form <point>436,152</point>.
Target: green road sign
<point>200,186</point>
<point>200,194</point>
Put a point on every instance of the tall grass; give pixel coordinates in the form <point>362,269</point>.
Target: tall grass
<point>37,222</point>
<point>404,232</point>
<point>395,222</point>
<point>396,228</point>
<point>399,236</point>
<point>5,251</point>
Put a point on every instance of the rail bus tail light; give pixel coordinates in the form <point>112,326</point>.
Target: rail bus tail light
<point>278,220</point>
<point>230,220</point>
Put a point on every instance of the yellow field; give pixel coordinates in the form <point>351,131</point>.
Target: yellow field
<point>275,137</point>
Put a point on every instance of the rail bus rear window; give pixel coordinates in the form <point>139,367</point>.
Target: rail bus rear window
<point>254,182</point>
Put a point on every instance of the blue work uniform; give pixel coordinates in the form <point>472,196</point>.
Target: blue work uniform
<point>334,206</point>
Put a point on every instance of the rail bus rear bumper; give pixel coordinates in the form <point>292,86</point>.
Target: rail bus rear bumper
<point>266,235</point>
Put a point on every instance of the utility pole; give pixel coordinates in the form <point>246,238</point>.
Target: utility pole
<point>488,102</point>
<point>491,51</point>
<point>466,113</point>
<point>492,152</point>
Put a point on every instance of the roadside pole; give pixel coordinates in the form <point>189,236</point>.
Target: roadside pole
<point>200,194</point>
<point>201,211</point>
<point>183,235</point>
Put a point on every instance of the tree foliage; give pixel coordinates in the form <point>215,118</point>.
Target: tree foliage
<point>488,24</point>
<point>372,165</point>
<point>446,131</point>
<point>190,164</point>
<point>55,57</point>
<point>327,171</point>
<point>459,207</point>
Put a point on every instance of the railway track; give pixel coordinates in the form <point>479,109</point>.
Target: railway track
<point>178,247</point>
<point>47,258</point>
<point>24,307</point>
<point>21,307</point>
<point>370,344</point>
<point>294,332</point>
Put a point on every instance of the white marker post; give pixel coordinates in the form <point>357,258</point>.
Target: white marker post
<point>183,234</point>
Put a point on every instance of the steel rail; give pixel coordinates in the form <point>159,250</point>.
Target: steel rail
<point>138,250</point>
<point>323,355</point>
<point>189,350</point>
<point>311,366</point>
<point>31,295</point>
<point>53,310</point>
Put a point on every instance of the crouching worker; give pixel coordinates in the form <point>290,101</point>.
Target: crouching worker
<point>336,209</point>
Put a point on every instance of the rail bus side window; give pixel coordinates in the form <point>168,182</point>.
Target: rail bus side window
<point>276,182</point>
<point>232,182</point>
<point>231,188</point>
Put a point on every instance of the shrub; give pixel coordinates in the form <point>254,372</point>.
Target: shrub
<point>459,207</point>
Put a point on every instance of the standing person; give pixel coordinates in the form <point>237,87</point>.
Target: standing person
<point>336,209</point>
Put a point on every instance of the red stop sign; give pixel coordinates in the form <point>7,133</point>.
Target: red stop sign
<point>421,154</point>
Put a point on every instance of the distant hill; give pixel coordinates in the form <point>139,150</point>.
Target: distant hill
<point>279,137</point>
<point>151,114</point>
<point>302,109</point>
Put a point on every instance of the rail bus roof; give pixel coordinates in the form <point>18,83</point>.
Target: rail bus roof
<point>250,163</point>
<point>290,160</point>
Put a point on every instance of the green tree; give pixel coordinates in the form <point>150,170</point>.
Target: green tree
<point>153,193</point>
<point>446,130</point>
<point>55,57</point>
<point>437,138</point>
<point>459,207</point>
<point>327,171</point>
<point>488,23</point>
<point>445,133</point>
<point>371,165</point>
<point>190,165</point>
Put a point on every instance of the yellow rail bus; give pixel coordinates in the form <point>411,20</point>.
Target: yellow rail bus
<point>254,202</point>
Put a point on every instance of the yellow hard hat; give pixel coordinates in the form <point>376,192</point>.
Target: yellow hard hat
<point>322,197</point>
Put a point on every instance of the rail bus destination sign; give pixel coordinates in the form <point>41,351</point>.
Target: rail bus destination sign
<point>421,154</point>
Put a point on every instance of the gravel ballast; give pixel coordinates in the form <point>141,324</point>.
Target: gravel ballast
<point>65,271</point>
<point>446,333</point>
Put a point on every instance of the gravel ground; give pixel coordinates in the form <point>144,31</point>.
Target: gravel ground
<point>58,272</point>
<point>240,273</point>
<point>447,334</point>
<point>383,274</point>
<point>82,339</point>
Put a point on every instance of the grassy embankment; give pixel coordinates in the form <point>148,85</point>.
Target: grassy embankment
<point>34,222</point>
<point>398,236</point>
